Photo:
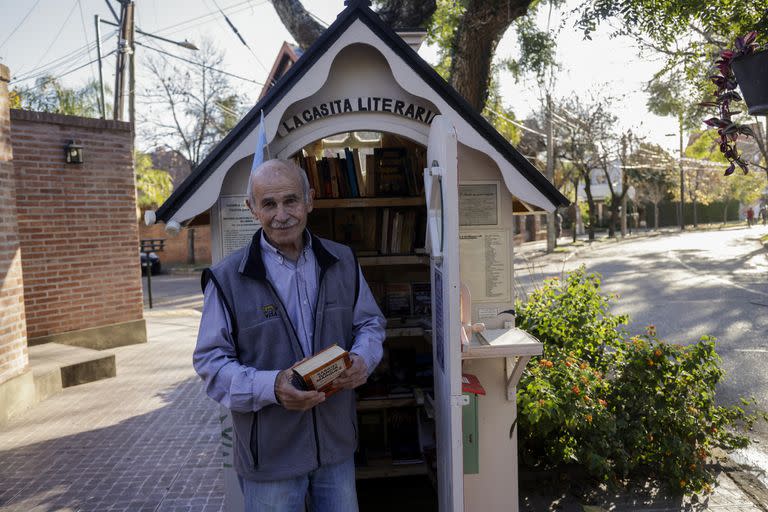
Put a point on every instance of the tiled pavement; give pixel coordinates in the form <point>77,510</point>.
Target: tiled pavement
<point>147,440</point>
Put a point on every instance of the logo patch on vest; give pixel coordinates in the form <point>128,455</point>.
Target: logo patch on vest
<point>270,311</point>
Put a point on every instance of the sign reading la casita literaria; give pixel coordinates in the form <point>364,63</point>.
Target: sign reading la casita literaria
<point>360,104</point>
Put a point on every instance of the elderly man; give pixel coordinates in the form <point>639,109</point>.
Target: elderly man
<point>283,297</point>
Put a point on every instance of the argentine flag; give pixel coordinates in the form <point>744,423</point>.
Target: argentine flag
<point>261,143</point>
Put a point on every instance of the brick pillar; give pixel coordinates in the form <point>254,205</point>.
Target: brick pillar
<point>13,333</point>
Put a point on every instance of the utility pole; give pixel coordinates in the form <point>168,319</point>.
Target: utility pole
<point>682,176</point>
<point>126,58</point>
<point>132,71</point>
<point>103,104</point>
<point>124,53</point>
<point>551,234</point>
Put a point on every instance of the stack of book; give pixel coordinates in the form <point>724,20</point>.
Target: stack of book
<point>388,172</point>
<point>402,230</point>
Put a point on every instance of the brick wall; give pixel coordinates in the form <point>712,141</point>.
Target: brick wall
<point>13,336</point>
<point>77,223</point>
<point>176,249</point>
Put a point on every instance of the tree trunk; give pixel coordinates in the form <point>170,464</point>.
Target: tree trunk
<point>304,29</point>
<point>474,44</point>
<point>480,28</point>
<point>695,214</point>
<point>615,215</point>
<point>655,216</point>
<point>725,212</point>
<point>406,13</point>
<point>575,208</point>
<point>592,209</point>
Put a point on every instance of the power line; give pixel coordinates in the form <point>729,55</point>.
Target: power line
<point>522,126</point>
<point>85,35</point>
<point>48,69</point>
<point>211,14</point>
<point>72,70</point>
<point>66,59</point>
<point>198,63</point>
<point>19,24</point>
<point>56,37</point>
<point>239,36</point>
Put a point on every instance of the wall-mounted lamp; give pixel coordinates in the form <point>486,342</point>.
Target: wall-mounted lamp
<point>74,153</point>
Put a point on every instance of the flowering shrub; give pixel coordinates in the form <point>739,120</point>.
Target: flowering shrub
<point>573,315</point>
<point>618,407</point>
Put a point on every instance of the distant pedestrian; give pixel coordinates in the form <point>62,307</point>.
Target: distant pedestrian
<point>764,214</point>
<point>750,216</point>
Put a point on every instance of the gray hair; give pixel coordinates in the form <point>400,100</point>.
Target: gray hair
<point>285,164</point>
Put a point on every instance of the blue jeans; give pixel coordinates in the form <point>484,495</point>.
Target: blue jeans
<point>329,488</point>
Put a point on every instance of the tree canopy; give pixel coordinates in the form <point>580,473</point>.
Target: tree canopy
<point>48,94</point>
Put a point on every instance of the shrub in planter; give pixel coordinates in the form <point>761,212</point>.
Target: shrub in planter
<point>619,408</point>
<point>573,315</point>
<point>667,420</point>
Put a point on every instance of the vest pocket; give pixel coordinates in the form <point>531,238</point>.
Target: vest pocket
<point>254,444</point>
<point>244,425</point>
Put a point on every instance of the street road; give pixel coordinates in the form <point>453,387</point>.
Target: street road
<point>687,285</point>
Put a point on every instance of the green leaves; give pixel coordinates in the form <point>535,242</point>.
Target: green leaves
<point>616,405</point>
<point>153,186</point>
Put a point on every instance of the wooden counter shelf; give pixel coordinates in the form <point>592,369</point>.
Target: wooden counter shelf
<point>514,345</point>
<point>504,343</point>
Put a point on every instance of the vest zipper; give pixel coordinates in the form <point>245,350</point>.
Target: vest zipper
<point>296,337</point>
<point>314,337</point>
<point>285,313</point>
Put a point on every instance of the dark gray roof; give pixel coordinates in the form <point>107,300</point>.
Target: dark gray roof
<point>354,11</point>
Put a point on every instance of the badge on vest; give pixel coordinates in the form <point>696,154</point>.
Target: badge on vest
<point>270,311</point>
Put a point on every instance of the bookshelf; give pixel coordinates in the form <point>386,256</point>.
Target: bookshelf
<point>370,196</point>
<point>384,403</point>
<point>386,468</point>
<point>371,261</point>
<point>369,202</point>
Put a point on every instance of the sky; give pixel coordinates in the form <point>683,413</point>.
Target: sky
<point>58,36</point>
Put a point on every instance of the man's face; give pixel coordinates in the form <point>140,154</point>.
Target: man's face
<point>280,207</point>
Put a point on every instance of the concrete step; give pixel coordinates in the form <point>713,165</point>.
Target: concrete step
<point>56,366</point>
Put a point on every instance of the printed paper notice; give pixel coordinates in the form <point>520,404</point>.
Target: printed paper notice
<point>237,223</point>
<point>479,204</point>
<point>485,265</point>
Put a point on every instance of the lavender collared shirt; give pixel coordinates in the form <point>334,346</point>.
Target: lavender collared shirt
<point>243,388</point>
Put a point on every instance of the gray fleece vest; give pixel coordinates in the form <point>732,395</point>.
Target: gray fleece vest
<point>274,443</point>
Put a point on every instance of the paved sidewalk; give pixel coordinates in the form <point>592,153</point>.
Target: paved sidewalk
<point>147,440</point>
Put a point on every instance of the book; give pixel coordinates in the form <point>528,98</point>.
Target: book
<point>359,173</point>
<point>390,171</point>
<point>385,229</point>
<point>370,178</point>
<point>351,173</point>
<point>398,299</point>
<point>356,227</point>
<point>421,299</point>
<point>314,177</point>
<point>324,168</point>
<point>403,436</point>
<point>319,371</point>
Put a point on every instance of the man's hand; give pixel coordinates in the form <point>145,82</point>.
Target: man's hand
<point>353,376</point>
<point>294,399</point>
